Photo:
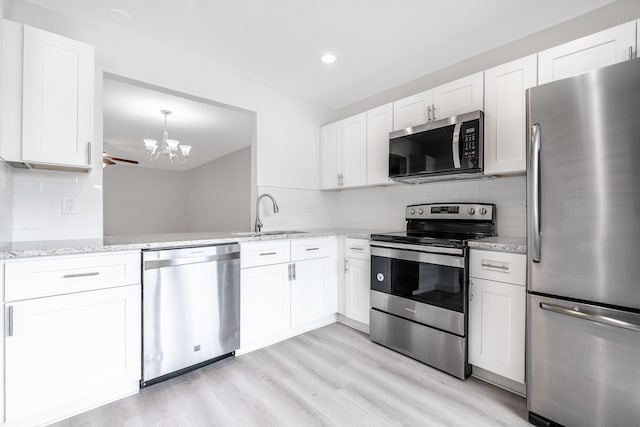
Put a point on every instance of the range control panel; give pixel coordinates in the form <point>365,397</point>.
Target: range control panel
<point>469,211</point>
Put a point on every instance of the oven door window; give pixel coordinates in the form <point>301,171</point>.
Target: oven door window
<point>433,284</point>
<point>429,151</point>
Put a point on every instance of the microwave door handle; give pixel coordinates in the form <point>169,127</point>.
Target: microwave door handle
<point>455,145</point>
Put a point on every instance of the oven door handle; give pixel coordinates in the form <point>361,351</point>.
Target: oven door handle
<point>455,145</point>
<point>421,257</point>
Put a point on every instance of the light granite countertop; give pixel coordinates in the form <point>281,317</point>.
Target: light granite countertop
<point>516,245</point>
<point>25,249</point>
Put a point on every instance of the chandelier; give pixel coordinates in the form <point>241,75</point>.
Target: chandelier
<point>168,147</point>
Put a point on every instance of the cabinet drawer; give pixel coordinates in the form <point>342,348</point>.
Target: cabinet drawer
<point>35,278</point>
<point>499,266</point>
<point>319,247</point>
<point>357,248</point>
<point>254,254</point>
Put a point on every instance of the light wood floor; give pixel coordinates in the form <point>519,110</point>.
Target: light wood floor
<point>333,376</point>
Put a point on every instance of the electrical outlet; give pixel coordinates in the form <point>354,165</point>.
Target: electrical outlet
<point>69,205</point>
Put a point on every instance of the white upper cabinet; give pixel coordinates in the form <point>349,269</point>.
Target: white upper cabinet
<point>505,115</point>
<point>343,153</point>
<point>412,110</point>
<point>354,150</point>
<point>379,124</point>
<point>597,50</point>
<point>330,155</point>
<point>56,75</point>
<point>457,97</point>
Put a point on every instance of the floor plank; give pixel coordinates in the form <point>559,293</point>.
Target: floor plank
<point>333,376</point>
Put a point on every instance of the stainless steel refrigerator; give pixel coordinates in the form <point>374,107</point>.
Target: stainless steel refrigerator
<point>583,202</point>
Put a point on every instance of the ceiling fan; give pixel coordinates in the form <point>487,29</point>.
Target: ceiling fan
<point>108,160</point>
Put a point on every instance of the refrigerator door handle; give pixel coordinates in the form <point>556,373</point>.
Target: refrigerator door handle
<point>535,192</point>
<point>602,316</point>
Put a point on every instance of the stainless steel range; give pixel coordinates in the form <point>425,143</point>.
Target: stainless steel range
<point>419,283</point>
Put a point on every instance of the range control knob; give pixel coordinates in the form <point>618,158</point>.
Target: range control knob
<point>412,211</point>
<point>471,211</point>
<point>483,211</point>
<point>420,211</point>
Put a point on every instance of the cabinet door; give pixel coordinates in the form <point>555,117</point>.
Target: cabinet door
<point>412,110</point>
<point>265,302</point>
<point>597,50</point>
<point>358,286</point>
<point>457,97</point>
<point>497,327</point>
<point>330,155</point>
<point>308,302</point>
<point>65,352</point>
<point>58,97</point>
<point>354,150</point>
<point>505,115</point>
<point>379,124</point>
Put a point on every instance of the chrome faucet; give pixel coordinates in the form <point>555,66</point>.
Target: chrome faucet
<point>258,227</point>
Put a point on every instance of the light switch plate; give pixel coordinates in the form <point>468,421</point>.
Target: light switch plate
<point>69,205</point>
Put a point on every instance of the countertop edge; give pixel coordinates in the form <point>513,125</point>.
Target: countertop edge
<point>13,253</point>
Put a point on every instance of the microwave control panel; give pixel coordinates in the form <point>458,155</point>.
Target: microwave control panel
<point>471,142</point>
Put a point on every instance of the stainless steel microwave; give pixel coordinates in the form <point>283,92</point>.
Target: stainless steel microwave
<point>450,148</point>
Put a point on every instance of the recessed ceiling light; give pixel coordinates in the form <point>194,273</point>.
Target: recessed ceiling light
<point>328,58</point>
<point>120,16</point>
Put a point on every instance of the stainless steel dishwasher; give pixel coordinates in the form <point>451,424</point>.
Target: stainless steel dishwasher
<point>190,309</point>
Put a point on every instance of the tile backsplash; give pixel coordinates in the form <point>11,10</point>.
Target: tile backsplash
<point>384,207</point>
<point>37,205</point>
<point>6,202</point>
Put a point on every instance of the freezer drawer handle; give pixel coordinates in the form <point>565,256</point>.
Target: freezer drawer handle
<point>586,314</point>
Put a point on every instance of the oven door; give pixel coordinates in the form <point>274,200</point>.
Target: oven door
<point>429,288</point>
<point>444,147</point>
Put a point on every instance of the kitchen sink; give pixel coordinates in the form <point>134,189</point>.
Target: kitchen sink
<point>267,233</point>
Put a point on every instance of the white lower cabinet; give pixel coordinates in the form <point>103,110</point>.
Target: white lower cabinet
<point>357,300</point>
<point>68,353</point>
<point>265,298</point>
<point>311,291</point>
<point>282,300</point>
<point>497,313</point>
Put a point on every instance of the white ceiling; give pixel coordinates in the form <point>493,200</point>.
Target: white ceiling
<point>132,113</point>
<point>379,43</point>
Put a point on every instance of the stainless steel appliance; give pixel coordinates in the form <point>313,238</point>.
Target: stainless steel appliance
<point>444,149</point>
<point>583,326</point>
<point>190,308</point>
<point>419,283</point>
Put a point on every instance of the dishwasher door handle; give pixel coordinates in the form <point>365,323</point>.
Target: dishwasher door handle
<point>161,263</point>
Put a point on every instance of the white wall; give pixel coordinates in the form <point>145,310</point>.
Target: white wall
<point>616,13</point>
<point>144,200</point>
<point>219,194</point>
<point>286,134</point>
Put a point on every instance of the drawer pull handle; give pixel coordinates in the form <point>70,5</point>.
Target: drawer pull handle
<point>268,253</point>
<point>499,267</point>
<point>313,249</point>
<point>73,276</point>
<point>356,248</point>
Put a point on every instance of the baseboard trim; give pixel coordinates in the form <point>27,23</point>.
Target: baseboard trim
<point>328,320</point>
<point>362,327</point>
<point>499,381</point>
